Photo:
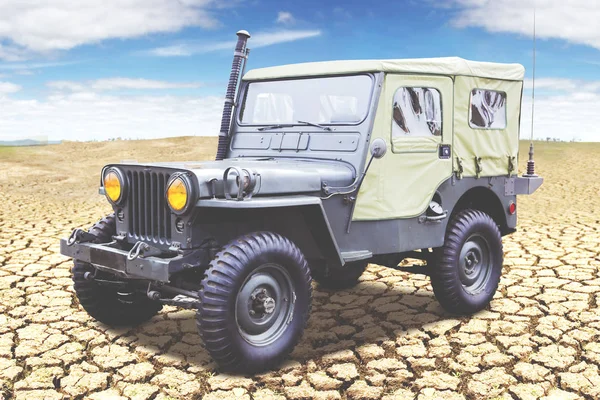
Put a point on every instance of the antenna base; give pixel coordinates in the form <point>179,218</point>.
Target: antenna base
<point>530,164</point>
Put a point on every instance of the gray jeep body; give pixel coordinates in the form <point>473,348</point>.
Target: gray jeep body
<point>306,184</point>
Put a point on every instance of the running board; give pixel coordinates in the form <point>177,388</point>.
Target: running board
<point>351,256</point>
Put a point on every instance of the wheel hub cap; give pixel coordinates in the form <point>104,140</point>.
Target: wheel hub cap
<point>265,304</point>
<point>471,261</point>
<point>262,303</point>
<point>475,264</point>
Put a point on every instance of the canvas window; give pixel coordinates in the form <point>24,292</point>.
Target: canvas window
<point>417,111</point>
<point>488,109</point>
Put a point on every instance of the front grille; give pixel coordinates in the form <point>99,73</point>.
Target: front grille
<point>149,215</point>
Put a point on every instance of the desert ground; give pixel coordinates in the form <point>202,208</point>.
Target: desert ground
<point>386,338</point>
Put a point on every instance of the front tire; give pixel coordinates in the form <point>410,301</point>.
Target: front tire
<point>255,302</point>
<point>467,268</point>
<point>109,305</point>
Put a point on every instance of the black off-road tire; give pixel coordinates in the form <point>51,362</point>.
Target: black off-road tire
<point>230,327</point>
<point>461,285</point>
<point>104,303</point>
<point>338,278</point>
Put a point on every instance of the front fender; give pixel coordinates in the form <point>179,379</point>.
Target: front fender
<point>263,202</point>
<point>310,207</point>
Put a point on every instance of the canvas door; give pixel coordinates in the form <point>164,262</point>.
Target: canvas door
<point>414,117</point>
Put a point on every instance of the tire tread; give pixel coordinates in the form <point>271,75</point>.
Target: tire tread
<point>226,269</point>
<point>443,274</point>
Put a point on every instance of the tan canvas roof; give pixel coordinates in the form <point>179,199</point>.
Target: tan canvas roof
<point>436,66</point>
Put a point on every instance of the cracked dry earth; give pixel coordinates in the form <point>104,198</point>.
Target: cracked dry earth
<point>387,338</point>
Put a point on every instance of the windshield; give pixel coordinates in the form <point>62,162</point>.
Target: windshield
<point>332,100</point>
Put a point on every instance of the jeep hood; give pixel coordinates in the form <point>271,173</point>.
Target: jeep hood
<point>274,176</point>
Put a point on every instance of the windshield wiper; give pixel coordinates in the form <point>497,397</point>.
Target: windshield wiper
<point>264,128</point>
<point>277,126</point>
<point>313,124</point>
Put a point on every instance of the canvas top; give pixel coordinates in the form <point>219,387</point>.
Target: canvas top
<point>451,66</point>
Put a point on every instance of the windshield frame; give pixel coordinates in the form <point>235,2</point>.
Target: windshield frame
<point>246,84</point>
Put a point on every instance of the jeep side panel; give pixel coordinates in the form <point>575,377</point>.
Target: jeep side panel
<point>402,183</point>
<point>486,136</point>
<point>406,234</point>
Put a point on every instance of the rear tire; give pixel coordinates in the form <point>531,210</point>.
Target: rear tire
<point>467,268</point>
<point>255,302</point>
<point>340,277</point>
<point>109,305</point>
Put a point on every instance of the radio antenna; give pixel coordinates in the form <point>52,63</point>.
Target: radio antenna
<point>530,162</point>
<point>533,89</point>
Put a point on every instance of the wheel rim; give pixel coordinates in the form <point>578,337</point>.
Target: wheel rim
<point>265,304</point>
<point>475,264</point>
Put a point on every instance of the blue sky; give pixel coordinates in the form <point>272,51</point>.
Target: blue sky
<point>84,70</point>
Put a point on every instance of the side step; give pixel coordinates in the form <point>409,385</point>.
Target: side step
<point>351,256</point>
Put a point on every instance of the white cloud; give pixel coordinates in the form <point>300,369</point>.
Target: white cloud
<point>261,39</point>
<point>24,72</point>
<point>563,85</point>
<point>38,65</point>
<point>120,84</point>
<point>89,116</point>
<point>66,85</point>
<point>565,109</point>
<point>285,17</point>
<point>8,87</point>
<point>128,83</point>
<point>573,21</point>
<point>12,53</point>
<point>179,50</point>
<point>32,26</point>
<point>569,111</point>
<point>265,39</point>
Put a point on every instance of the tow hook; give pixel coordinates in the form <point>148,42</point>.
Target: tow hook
<point>80,236</point>
<point>141,249</point>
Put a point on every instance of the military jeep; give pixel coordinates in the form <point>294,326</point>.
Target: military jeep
<point>321,169</point>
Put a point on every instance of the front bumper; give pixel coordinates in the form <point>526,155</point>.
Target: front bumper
<point>116,261</point>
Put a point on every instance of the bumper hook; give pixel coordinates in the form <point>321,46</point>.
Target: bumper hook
<point>141,249</point>
<point>136,250</point>
<point>80,236</point>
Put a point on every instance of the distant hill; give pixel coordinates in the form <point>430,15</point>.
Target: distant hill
<point>27,142</point>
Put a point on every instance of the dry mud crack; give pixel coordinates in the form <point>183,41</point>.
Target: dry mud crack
<point>387,338</point>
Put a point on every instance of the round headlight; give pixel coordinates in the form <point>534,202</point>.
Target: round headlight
<point>177,194</point>
<point>113,186</point>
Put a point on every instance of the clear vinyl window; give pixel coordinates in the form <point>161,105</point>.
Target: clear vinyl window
<point>417,111</point>
<point>488,109</point>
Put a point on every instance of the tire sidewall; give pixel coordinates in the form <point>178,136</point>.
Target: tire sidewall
<point>491,234</point>
<point>261,357</point>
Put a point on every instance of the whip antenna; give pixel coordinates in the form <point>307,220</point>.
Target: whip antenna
<point>530,162</point>
<point>533,89</point>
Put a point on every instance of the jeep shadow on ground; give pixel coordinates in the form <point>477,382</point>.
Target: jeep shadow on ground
<point>384,304</point>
